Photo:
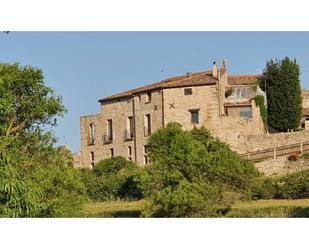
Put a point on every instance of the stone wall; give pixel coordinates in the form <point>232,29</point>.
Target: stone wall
<point>118,111</point>
<point>250,143</point>
<point>281,166</point>
<point>305,96</point>
<point>230,129</point>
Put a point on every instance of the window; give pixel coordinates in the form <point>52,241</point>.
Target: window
<point>109,130</point>
<point>130,128</point>
<point>139,98</point>
<point>145,159</point>
<point>112,152</point>
<point>147,125</point>
<point>246,112</point>
<point>92,156</point>
<point>188,91</point>
<point>148,97</point>
<point>194,116</point>
<point>91,134</point>
<point>130,153</point>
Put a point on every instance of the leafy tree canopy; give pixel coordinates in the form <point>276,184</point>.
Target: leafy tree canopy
<point>193,174</point>
<point>25,101</point>
<point>283,91</point>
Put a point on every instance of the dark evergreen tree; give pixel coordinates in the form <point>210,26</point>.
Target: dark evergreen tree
<point>283,91</point>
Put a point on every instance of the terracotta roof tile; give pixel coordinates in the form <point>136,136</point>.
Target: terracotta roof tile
<point>190,79</point>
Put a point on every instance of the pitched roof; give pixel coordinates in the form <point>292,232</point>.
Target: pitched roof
<point>190,79</point>
<point>246,79</point>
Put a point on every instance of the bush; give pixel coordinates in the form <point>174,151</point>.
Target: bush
<point>294,156</point>
<point>305,156</point>
<point>266,189</point>
<point>114,178</point>
<point>61,187</point>
<point>189,199</point>
<point>18,197</point>
<point>293,186</point>
<point>193,174</point>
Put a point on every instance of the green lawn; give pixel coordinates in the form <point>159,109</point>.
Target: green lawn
<point>260,208</point>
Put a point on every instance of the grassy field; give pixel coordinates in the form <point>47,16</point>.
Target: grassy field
<point>253,209</point>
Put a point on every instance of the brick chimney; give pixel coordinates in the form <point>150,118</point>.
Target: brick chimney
<point>215,70</point>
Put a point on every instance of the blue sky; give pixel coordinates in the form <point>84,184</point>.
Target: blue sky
<point>83,67</point>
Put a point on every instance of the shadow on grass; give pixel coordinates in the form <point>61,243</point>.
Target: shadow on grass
<point>300,212</point>
<point>126,214</point>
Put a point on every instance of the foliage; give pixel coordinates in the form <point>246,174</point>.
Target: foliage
<point>37,179</point>
<point>294,156</point>
<point>193,174</point>
<point>25,102</point>
<point>229,92</point>
<point>18,196</point>
<point>62,190</point>
<point>283,94</point>
<point>260,102</point>
<point>293,186</point>
<point>290,186</point>
<point>111,179</point>
<point>305,156</point>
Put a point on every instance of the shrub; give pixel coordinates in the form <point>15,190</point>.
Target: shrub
<point>266,189</point>
<point>293,186</point>
<point>61,187</point>
<point>114,178</point>
<point>193,174</point>
<point>189,199</point>
<point>18,197</point>
<point>260,102</point>
<point>305,156</point>
<point>229,92</point>
<point>294,156</point>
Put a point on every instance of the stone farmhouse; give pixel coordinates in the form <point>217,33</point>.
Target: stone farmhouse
<point>214,99</point>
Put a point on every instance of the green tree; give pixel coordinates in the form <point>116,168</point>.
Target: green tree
<point>26,103</point>
<point>113,178</point>
<point>283,94</point>
<point>19,197</point>
<point>37,179</point>
<point>193,174</point>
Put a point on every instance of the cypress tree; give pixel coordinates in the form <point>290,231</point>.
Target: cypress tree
<point>283,91</point>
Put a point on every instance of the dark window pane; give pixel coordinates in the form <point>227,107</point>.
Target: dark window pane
<point>188,91</point>
<point>194,117</point>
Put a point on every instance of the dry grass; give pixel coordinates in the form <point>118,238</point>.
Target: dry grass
<point>113,209</point>
<point>271,209</point>
<point>253,209</point>
<point>272,203</point>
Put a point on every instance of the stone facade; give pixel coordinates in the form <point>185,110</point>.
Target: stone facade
<point>196,99</point>
<point>255,142</point>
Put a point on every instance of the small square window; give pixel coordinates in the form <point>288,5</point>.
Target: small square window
<point>194,116</point>
<point>188,91</point>
<point>148,97</point>
<point>112,152</point>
